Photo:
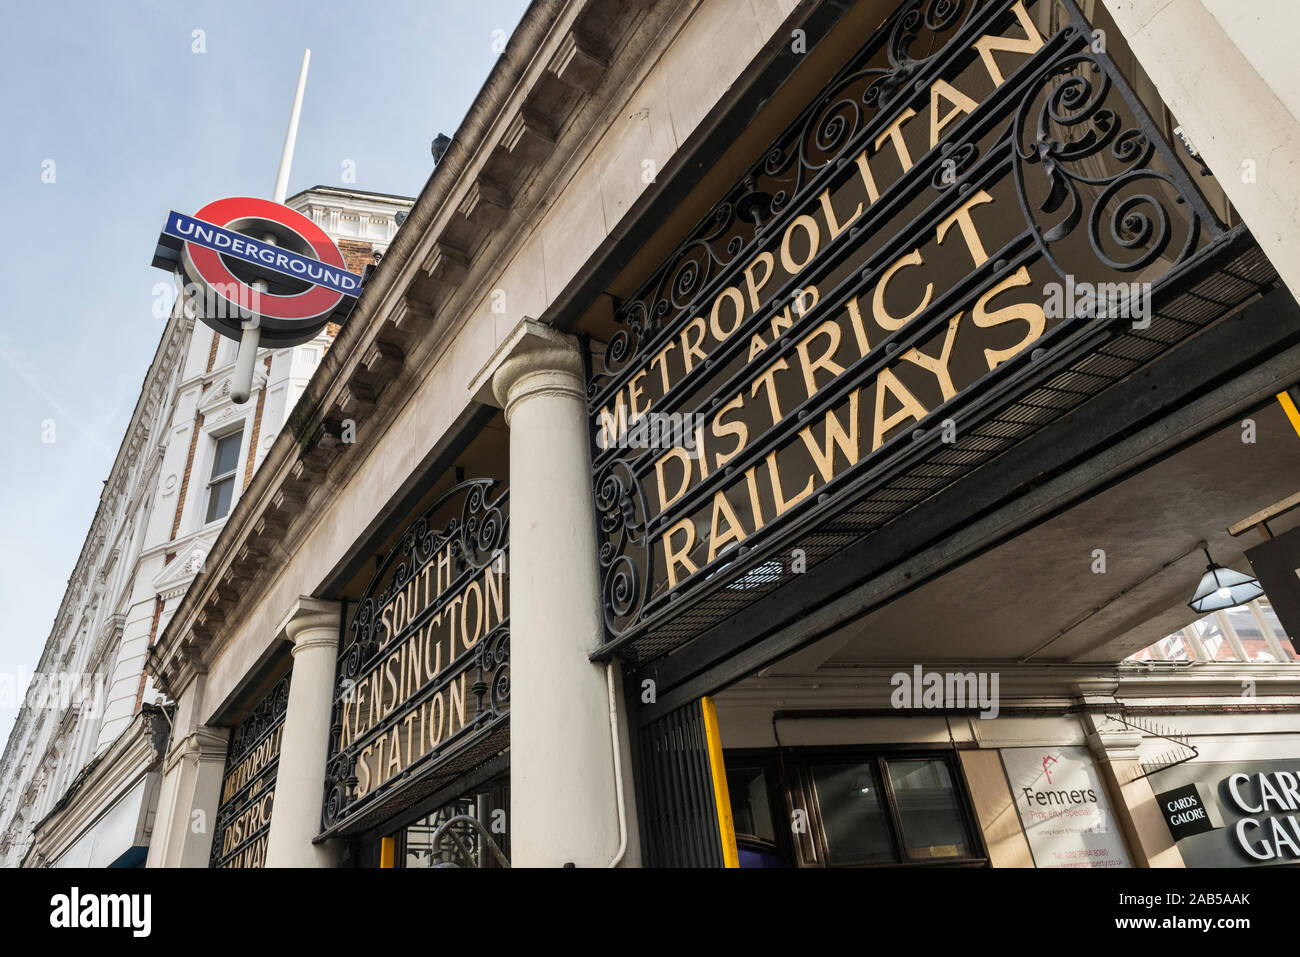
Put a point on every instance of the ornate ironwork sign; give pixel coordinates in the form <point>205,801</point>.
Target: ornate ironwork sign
<point>423,682</point>
<point>248,786</point>
<point>968,233</point>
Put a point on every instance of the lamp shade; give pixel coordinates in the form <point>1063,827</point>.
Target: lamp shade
<point>1223,588</point>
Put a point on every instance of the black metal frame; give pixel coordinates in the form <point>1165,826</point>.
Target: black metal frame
<point>676,805</point>
<point>777,625</point>
<point>768,760</point>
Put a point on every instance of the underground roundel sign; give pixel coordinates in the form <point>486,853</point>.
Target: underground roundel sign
<point>251,257</point>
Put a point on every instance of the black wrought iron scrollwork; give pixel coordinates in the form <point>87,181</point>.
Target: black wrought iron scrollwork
<point>472,540</point>
<point>492,660</point>
<point>268,713</point>
<point>954,165</point>
<point>1098,160</point>
<point>620,518</point>
<point>1102,196</point>
<point>257,730</point>
<point>919,33</point>
<point>476,536</point>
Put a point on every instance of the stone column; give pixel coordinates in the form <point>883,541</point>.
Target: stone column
<point>1223,68</point>
<point>562,788</point>
<point>187,800</point>
<point>192,769</point>
<point>313,627</point>
<point>1115,749</point>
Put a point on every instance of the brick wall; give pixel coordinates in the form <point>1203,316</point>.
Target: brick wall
<point>356,255</point>
<point>185,480</point>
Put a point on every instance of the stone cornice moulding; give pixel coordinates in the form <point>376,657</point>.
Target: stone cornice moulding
<point>201,744</point>
<point>109,634</point>
<point>130,759</point>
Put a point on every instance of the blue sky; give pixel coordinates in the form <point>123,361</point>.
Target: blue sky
<point>137,122</point>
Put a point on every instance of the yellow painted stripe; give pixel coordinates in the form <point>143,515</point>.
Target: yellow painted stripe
<point>721,797</point>
<point>1288,406</point>
<point>388,852</point>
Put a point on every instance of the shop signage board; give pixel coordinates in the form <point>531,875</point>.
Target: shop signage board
<point>248,785</point>
<point>944,252</point>
<point>423,681</point>
<point>1063,808</point>
<point>1277,566</point>
<point>1189,810</point>
<point>222,249</point>
<point>1258,804</point>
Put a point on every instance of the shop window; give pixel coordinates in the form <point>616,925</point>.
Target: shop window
<point>929,809</point>
<point>221,486</point>
<point>851,809</point>
<point>751,810</point>
<point>752,804</point>
<point>424,850</point>
<point>855,821</point>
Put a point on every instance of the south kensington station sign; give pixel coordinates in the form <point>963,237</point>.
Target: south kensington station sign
<point>423,683</point>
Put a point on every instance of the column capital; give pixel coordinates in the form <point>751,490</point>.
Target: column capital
<point>204,743</point>
<point>311,623</point>
<point>1110,740</point>
<point>534,359</point>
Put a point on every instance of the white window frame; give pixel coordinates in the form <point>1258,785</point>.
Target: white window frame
<point>227,351</point>
<point>213,438</point>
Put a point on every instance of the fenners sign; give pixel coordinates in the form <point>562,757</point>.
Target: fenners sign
<point>942,222</point>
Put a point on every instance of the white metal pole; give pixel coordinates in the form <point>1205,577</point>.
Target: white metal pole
<point>291,134</point>
<point>241,385</point>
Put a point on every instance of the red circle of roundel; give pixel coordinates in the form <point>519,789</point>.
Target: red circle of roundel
<point>314,303</point>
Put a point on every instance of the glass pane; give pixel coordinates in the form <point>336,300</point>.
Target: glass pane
<point>853,814</point>
<point>1214,640</point>
<point>227,351</point>
<point>420,851</point>
<point>219,499</point>
<point>928,805</point>
<point>227,455</point>
<point>749,805</point>
<point>1269,616</point>
<point>1174,648</point>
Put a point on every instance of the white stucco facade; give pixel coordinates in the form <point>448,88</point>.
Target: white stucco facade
<point>147,542</point>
